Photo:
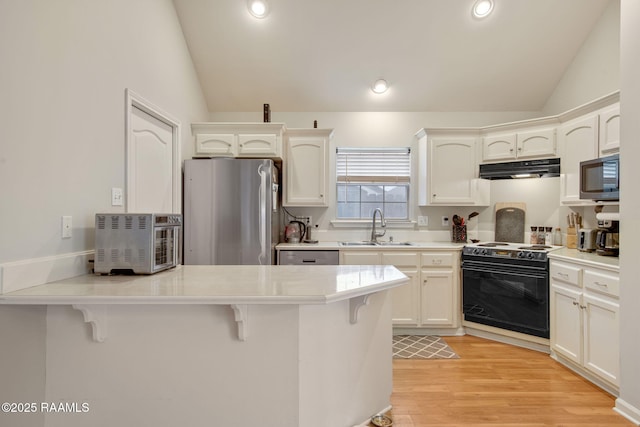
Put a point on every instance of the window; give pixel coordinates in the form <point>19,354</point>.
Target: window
<point>370,178</point>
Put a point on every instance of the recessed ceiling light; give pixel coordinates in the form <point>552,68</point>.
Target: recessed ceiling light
<point>258,8</point>
<point>482,8</point>
<point>380,86</point>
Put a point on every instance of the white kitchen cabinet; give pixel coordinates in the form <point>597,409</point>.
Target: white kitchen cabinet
<point>432,297</point>
<point>578,140</point>
<point>306,167</point>
<point>448,170</point>
<point>584,315</point>
<point>524,144</point>
<point>250,140</point>
<point>609,120</point>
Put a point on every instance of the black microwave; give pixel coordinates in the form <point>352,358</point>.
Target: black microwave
<point>600,179</point>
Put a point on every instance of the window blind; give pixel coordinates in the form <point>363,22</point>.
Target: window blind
<point>363,165</point>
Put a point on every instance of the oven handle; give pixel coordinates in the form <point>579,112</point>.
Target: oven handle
<point>494,268</point>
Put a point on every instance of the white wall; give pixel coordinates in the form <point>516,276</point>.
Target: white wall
<point>65,67</point>
<point>595,71</point>
<point>629,401</point>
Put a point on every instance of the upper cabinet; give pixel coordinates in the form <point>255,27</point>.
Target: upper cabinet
<point>609,120</point>
<point>306,169</point>
<point>522,144</point>
<point>448,169</point>
<point>251,140</point>
<point>585,137</point>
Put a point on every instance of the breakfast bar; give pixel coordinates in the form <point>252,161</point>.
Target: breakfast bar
<point>218,345</point>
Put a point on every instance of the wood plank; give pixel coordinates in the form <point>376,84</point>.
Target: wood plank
<point>496,385</point>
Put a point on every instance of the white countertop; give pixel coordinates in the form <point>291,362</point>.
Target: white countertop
<point>246,284</point>
<point>326,246</point>
<point>588,258</point>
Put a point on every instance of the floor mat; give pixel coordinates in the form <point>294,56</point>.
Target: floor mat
<point>421,347</point>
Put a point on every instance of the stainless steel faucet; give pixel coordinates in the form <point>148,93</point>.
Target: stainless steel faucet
<point>383,224</point>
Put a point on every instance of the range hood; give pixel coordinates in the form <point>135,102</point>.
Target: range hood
<point>543,168</point>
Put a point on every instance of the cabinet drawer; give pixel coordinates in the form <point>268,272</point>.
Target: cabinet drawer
<point>402,259</point>
<point>608,284</point>
<point>565,273</point>
<point>437,259</point>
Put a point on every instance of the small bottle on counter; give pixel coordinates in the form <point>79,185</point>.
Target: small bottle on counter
<point>557,237</point>
<point>534,236</point>
<point>548,236</point>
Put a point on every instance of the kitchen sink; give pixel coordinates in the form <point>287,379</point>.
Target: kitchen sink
<point>376,244</point>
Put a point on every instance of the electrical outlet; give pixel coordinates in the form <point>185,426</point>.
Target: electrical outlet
<point>66,227</point>
<point>423,221</point>
<point>445,221</point>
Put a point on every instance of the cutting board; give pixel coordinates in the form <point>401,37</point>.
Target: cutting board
<point>510,222</point>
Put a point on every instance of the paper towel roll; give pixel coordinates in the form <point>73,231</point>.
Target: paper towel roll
<point>612,216</point>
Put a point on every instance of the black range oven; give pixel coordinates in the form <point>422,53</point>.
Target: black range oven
<point>506,285</point>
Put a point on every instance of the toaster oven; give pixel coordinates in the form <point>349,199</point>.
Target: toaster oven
<point>137,243</point>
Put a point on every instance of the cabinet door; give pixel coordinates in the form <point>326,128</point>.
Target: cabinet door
<point>216,144</point>
<point>306,171</point>
<point>566,322</point>
<point>405,300</point>
<point>359,258</point>
<point>601,337</point>
<point>258,145</point>
<point>499,147</point>
<point>452,171</point>
<point>536,143</point>
<point>609,142</point>
<point>578,140</point>
<point>437,298</point>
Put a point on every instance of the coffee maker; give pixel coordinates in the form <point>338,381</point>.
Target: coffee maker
<point>608,237</point>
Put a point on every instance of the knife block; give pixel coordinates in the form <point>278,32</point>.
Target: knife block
<point>572,238</point>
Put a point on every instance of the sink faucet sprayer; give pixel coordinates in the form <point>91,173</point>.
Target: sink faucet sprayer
<point>383,224</point>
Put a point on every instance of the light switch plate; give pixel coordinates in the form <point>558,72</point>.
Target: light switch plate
<point>67,226</point>
<point>116,196</point>
<point>445,221</point>
<point>423,220</point>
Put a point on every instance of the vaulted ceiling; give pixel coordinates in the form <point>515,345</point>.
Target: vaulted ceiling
<point>324,55</point>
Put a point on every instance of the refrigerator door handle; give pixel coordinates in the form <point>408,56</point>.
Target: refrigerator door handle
<point>263,215</point>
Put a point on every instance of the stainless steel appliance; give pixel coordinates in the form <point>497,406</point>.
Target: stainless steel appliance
<point>137,243</point>
<point>295,231</point>
<point>586,240</point>
<point>230,211</point>
<point>293,257</point>
<point>608,238</point>
<point>506,285</point>
<point>600,179</point>
<point>543,168</point>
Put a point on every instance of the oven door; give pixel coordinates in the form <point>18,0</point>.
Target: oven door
<point>510,297</point>
<point>166,247</point>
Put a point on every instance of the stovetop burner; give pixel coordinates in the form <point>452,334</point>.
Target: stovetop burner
<point>535,247</point>
<point>504,250</point>
<point>492,244</point>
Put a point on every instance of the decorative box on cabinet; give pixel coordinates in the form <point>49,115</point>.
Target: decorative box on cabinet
<point>448,169</point>
<point>584,311</point>
<point>306,168</point>
<point>250,140</point>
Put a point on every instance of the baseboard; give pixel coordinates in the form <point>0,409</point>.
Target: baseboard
<point>368,422</point>
<point>628,411</point>
<point>37,271</point>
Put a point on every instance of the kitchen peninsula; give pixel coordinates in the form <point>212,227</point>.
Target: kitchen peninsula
<point>220,345</point>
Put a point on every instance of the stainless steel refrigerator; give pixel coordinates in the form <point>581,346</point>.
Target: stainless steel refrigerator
<point>230,211</point>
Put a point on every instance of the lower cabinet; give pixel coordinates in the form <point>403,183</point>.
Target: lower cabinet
<point>584,308</point>
<point>432,297</point>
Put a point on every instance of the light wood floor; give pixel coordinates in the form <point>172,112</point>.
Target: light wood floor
<point>496,385</point>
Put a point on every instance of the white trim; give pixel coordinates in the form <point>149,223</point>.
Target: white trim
<point>628,411</point>
<point>18,275</point>
<point>135,100</point>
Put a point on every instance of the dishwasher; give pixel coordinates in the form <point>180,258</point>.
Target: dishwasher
<point>304,257</point>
